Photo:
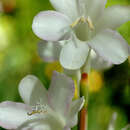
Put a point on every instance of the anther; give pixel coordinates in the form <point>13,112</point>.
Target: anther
<point>80,20</point>
<point>75,23</point>
<point>38,109</point>
<point>90,24</point>
<point>36,112</point>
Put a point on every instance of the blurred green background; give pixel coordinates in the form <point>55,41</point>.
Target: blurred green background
<point>18,57</point>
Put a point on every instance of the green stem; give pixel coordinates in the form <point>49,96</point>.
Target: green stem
<point>84,92</point>
<point>87,66</point>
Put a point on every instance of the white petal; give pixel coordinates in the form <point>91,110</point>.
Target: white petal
<point>42,122</point>
<point>76,106</point>
<point>32,91</point>
<point>61,92</point>
<point>73,55</point>
<point>111,46</point>
<point>50,25</point>
<point>68,7</point>
<point>49,51</point>
<point>95,8</point>
<point>114,17</point>
<point>13,114</point>
<point>76,74</point>
<point>67,128</point>
<point>41,127</point>
<point>98,63</point>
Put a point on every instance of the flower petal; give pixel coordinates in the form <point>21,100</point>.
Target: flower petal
<point>49,51</point>
<point>50,25</point>
<point>98,63</point>
<point>32,91</point>
<point>42,122</point>
<point>95,8</point>
<point>67,7</point>
<point>111,46</point>
<point>74,74</point>
<point>67,128</point>
<point>114,17</point>
<point>61,92</point>
<point>76,106</point>
<point>73,55</point>
<point>13,114</point>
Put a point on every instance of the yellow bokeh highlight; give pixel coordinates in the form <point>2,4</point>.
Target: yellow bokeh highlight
<point>55,66</point>
<point>95,81</point>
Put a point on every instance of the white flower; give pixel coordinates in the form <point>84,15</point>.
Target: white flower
<point>52,110</point>
<point>112,121</point>
<point>127,127</point>
<point>50,52</point>
<point>84,21</point>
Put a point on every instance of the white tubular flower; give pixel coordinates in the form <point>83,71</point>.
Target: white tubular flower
<point>84,25</point>
<point>43,110</point>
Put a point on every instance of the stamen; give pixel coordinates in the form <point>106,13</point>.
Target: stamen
<point>90,23</point>
<point>38,109</point>
<point>83,20</point>
<point>80,20</point>
<point>75,23</point>
<point>36,112</point>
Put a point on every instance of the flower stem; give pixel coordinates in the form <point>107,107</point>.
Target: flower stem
<point>84,92</point>
<point>83,119</point>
